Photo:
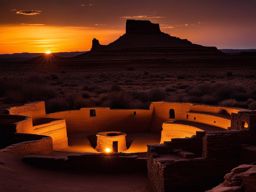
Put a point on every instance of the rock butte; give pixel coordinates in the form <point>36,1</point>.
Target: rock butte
<point>147,37</point>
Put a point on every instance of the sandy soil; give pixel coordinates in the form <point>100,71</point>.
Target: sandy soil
<point>18,177</point>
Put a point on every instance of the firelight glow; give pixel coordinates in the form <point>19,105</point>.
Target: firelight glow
<point>107,150</point>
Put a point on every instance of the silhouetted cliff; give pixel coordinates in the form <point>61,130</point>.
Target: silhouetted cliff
<point>142,27</point>
<point>146,36</point>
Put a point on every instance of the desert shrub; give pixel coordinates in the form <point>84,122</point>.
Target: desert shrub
<point>157,94</point>
<point>198,91</point>
<point>170,88</point>
<point>130,69</point>
<point>86,95</point>
<point>115,88</point>
<point>229,103</point>
<point>35,79</point>
<point>119,100</point>
<point>182,86</point>
<point>212,93</point>
<point>251,104</point>
<point>229,74</point>
<point>140,95</point>
<point>75,101</point>
<point>56,104</point>
<point>181,77</point>
<point>33,92</point>
<point>100,90</point>
<point>208,99</point>
<point>20,90</point>
<point>54,77</point>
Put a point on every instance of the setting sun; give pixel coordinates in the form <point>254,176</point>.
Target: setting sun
<point>48,52</point>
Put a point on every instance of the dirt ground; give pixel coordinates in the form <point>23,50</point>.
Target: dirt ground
<point>16,176</point>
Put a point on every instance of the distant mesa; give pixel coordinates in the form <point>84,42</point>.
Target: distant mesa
<point>142,27</point>
<point>147,36</point>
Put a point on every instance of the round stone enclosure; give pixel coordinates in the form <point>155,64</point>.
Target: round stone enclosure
<point>111,142</point>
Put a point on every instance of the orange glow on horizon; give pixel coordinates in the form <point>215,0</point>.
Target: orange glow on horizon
<point>41,38</point>
<point>48,52</point>
<point>37,38</point>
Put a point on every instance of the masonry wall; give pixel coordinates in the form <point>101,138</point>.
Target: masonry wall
<point>226,145</point>
<point>105,119</point>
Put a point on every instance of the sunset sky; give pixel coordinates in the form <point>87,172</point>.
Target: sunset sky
<point>70,25</point>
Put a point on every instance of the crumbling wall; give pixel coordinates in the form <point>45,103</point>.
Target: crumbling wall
<point>226,145</point>
<point>244,120</point>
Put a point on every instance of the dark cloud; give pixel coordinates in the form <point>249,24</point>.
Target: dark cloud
<point>28,12</point>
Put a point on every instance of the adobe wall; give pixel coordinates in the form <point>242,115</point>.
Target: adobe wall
<point>25,126</point>
<point>34,110</point>
<point>172,130</point>
<point>161,113</point>
<point>187,111</point>
<point>213,109</point>
<point>55,129</point>
<point>209,119</point>
<point>15,123</point>
<point>106,119</point>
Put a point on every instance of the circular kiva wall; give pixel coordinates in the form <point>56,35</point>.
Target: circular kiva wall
<point>111,141</point>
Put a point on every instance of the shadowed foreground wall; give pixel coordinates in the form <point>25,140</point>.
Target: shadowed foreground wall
<point>32,144</point>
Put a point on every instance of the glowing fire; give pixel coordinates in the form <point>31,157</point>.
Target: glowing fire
<point>107,150</point>
<point>48,52</point>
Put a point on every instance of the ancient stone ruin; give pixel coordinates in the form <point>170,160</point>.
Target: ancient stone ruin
<point>194,146</point>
